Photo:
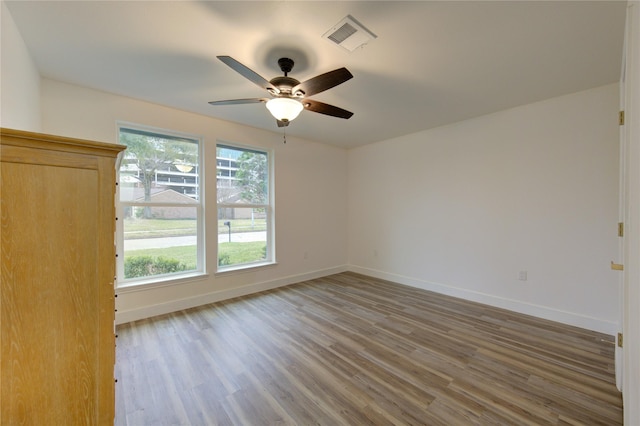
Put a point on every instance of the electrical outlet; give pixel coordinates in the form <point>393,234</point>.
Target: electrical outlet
<point>522,275</point>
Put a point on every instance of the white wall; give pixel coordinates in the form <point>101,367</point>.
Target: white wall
<point>310,191</point>
<point>19,79</point>
<point>462,209</point>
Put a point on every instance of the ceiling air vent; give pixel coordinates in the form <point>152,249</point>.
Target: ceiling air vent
<point>349,34</point>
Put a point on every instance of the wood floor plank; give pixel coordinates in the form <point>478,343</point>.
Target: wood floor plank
<point>351,350</point>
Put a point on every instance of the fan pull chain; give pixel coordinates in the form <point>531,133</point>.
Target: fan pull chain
<point>284,134</point>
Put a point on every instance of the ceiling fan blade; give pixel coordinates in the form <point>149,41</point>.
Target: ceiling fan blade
<point>282,123</point>
<point>239,101</point>
<point>248,73</point>
<point>322,82</point>
<point>326,109</point>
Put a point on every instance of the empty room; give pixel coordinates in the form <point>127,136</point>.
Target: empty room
<point>320,212</point>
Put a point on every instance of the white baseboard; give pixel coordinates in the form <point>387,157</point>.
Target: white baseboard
<point>217,296</point>
<point>569,318</point>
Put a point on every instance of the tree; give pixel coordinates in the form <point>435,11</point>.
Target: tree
<point>226,191</point>
<point>151,153</point>
<point>253,175</point>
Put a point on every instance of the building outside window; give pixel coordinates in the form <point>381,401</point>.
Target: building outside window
<point>245,213</point>
<point>160,210</point>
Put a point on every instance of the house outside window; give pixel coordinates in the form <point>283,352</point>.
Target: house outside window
<point>160,207</point>
<point>245,212</point>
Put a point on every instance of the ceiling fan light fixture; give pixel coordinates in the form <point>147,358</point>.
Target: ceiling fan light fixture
<point>284,109</point>
<point>290,95</point>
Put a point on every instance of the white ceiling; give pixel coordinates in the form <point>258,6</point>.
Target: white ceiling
<point>433,63</point>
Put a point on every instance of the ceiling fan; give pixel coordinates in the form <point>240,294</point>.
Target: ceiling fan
<point>288,95</point>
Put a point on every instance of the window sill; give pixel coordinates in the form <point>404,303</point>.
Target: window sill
<point>244,268</point>
<point>156,282</point>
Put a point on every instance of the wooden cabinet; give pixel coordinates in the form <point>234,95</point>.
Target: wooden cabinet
<point>57,280</point>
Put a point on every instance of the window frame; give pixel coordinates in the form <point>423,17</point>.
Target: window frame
<point>269,209</point>
<point>161,279</point>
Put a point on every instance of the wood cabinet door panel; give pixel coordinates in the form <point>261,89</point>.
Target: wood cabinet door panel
<point>56,287</point>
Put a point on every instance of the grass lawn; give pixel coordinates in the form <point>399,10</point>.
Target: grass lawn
<point>152,228</point>
<point>242,225</point>
<point>242,252</point>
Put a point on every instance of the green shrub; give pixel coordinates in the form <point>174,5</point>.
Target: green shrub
<point>137,266</point>
<point>142,266</point>
<point>224,259</point>
<point>167,266</point>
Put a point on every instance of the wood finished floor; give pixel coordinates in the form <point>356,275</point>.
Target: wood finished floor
<point>349,349</point>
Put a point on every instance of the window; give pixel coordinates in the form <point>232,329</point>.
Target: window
<point>160,209</point>
<point>244,207</point>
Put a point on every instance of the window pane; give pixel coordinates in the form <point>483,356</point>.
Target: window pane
<point>158,168</point>
<point>244,180</point>
<point>242,236</point>
<point>159,240</point>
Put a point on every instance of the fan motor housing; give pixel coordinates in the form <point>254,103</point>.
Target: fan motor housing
<point>284,84</point>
